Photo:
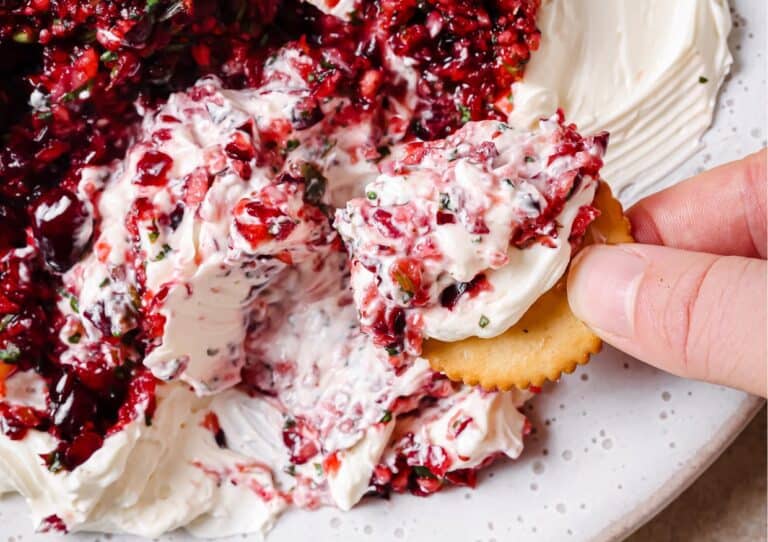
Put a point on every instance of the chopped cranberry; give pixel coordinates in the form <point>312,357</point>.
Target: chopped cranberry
<point>81,448</point>
<point>462,477</point>
<point>451,295</point>
<point>299,438</point>
<point>73,407</point>
<point>587,214</point>
<point>153,168</point>
<point>62,227</point>
<point>16,420</point>
<point>52,523</point>
<point>331,464</point>
<point>240,147</point>
<point>211,423</point>
<point>445,218</point>
<point>383,222</point>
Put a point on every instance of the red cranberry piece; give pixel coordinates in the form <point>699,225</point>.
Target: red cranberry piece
<point>81,448</point>
<point>445,218</point>
<point>451,295</point>
<point>462,477</point>
<point>63,228</point>
<point>53,524</point>
<point>72,406</point>
<point>383,223</point>
<point>240,147</point>
<point>297,438</point>
<point>153,168</point>
<point>15,421</point>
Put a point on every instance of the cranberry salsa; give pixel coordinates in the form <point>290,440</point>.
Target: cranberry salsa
<point>192,191</point>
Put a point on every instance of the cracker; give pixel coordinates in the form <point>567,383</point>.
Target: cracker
<point>547,341</point>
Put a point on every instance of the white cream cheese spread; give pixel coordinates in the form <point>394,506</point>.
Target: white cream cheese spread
<point>648,72</point>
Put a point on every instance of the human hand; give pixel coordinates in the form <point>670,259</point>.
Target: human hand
<point>690,296</point>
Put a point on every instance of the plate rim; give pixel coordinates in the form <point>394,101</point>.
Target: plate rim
<point>691,471</point>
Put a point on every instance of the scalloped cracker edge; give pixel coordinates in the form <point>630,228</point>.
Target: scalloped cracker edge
<point>547,341</point>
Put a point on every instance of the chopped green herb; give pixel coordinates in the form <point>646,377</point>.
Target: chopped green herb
<point>164,250</point>
<point>104,282</point>
<point>4,321</point>
<point>392,351</point>
<point>75,94</point>
<point>315,183</point>
<point>529,159</point>
<point>22,37</point>
<point>371,195</point>
<point>289,422</point>
<point>445,201</point>
<point>484,321</point>
<point>423,472</point>
<point>466,114</point>
<point>386,418</point>
<point>108,56</point>
<point>318,469</point>
<point>327,64</point>
<point>383,151</point>
<point>10,354</point>
<point>153,235</point>
<point>147,419</point>
<point>151,4</point>
<point>404,281</point>
<point>703,80</point>
<point>291,144</point>
<point>53,461</point>
<point>75,338</point>
<point>212,351</point>
<point>328,144</point>
<point>290,470</point>
<point>73,304</point>
<point>44,115</point>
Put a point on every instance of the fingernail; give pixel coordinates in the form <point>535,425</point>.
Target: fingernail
<point>602,288</point>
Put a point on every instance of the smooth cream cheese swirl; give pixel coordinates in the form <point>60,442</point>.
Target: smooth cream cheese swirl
<point>647,71</point>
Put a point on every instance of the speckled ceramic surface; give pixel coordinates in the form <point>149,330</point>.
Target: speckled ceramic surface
<point>615,441</point>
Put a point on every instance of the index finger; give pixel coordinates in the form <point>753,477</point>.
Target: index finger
<point>721,211</point>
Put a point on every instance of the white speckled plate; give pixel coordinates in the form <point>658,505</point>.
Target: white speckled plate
<point>615,442</point>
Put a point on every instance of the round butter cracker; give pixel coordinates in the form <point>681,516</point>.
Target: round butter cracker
<point>547,341</point>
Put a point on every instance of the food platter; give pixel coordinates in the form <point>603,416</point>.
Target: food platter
<point>614,442</point>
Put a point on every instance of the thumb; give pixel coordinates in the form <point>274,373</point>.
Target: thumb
<point>695,315</point>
